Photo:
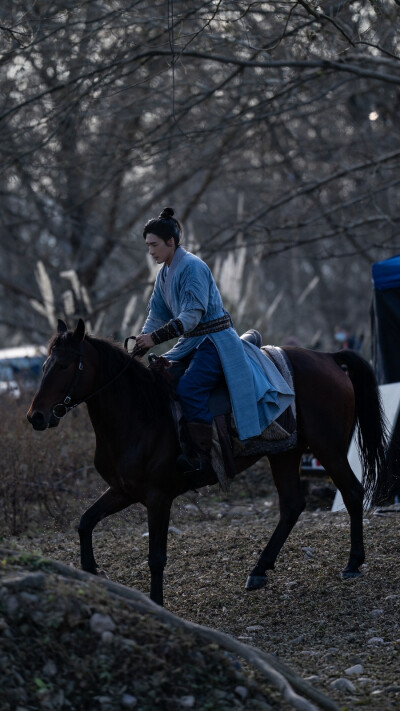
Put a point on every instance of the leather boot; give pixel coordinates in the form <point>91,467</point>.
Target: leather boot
<point>195,464</point>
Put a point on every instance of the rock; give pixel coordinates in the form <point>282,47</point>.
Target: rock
<point>254,628</point>
<point>365,680</point>
<point>219,694</point>
<point>299,639</point>
<point>238,511</point>
<point>128,701</point>
<point>29,580</point>
<point>311,679</point>
<point>3,624</point>
<point>173,529</point>
<point>187,702</point>
<point>375,640</point>
<point>101,623</point>
<point>22,696</point>
<point>354,670</point>
<point>49,669</point>
<point>308,552</point>
<point>376,613</point>
<point>107,637</point>
<point>258,705</point>
<point>356,659</point>
<point>343,684</point>
<point>241,692</point>
<point>19,678</point>
<point>12,605</point>
<point>191,507</point>
<point>28,598</point>
<point>37,616</point>
<point>57,700</point>
<point>330,670</point>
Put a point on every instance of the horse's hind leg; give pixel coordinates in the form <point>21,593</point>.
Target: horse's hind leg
<point>285,471</point>
<point>352,491</point>
<point>108,503</point>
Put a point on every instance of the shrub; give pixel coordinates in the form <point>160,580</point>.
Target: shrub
<point>42,474</point>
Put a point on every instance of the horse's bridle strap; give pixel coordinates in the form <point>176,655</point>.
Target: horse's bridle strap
<point>63,407</point>
<point>76,379</point>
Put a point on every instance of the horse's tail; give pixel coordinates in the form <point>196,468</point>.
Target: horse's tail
<point>372,432</point>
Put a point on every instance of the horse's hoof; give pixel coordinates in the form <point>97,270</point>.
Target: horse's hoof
<point>350,575</point>
<point>256,582</point>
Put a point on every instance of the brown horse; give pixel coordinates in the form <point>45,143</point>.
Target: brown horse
<point>137,445</point>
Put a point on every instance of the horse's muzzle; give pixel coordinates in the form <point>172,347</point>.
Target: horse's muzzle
<point>40,422</point>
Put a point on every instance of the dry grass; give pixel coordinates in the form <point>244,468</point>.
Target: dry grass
<point>42,473</point>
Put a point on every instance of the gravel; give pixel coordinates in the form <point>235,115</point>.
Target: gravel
<point>344,637</point>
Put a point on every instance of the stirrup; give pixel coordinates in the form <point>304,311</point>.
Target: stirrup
<point>185,466</point>
<point>194,477</point>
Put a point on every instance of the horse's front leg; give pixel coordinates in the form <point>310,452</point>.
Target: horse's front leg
<point>158,513</point>
<point>108,503</point>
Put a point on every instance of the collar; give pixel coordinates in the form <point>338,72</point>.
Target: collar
<point>167,275</point>
<point>177,258</point>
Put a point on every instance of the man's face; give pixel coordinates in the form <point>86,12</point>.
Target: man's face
<point>158,249</point>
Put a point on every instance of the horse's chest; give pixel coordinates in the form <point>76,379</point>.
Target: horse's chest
<point>120,471</point>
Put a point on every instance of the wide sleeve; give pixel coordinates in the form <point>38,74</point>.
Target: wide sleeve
<point>194,287</point>
<point>158,312</point>
<point>190,319</point>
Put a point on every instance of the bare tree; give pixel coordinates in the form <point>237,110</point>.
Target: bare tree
<point>272,128</point>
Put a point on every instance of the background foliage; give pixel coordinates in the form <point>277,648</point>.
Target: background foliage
<point>271,127</point>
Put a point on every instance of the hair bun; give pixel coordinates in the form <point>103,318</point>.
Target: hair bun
<point>166,214</point>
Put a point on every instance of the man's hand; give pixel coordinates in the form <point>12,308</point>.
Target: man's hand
<point>144,340</point>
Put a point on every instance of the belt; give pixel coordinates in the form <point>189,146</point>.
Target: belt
<point>218,324</point>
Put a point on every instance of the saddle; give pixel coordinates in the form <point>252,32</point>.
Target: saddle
<point>279,436</point>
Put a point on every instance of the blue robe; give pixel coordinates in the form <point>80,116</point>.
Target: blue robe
<point>258,392</point>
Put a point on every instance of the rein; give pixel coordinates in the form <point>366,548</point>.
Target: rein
<point>62,409</point>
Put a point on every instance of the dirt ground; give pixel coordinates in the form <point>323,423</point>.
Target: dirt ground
<point>344,637</point>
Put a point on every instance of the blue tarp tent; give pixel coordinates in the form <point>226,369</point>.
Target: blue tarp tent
<point>385,320</point>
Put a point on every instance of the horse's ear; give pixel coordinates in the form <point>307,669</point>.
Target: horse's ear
<point>79,332</point>
<point>61,326</point>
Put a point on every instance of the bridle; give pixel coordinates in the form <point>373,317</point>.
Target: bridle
<point>62,409</point>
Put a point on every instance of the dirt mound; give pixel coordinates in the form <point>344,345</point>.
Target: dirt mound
<point>70,644</point>
<point>71,641</point>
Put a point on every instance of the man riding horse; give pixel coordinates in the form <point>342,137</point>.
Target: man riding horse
<point>186,303</point>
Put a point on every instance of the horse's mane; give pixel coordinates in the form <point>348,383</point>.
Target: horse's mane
<point>150,390</point>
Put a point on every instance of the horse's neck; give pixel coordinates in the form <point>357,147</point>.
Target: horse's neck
<point>117,411</point>
<point>114,412</point>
